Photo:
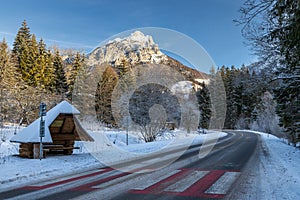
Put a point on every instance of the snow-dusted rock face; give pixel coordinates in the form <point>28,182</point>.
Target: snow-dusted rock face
<point>134,49</point>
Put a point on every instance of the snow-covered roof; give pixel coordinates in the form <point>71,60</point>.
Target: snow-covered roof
<point>32,132</point>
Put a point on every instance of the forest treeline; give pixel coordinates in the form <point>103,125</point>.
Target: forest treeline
<point>272,30</point>
<point>31,72</point>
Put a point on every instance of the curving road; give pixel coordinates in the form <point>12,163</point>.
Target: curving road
<point>189,177</point>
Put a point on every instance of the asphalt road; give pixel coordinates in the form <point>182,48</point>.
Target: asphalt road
<point>189,177</point>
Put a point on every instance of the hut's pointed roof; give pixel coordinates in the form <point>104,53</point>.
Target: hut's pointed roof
<point>32,132</point>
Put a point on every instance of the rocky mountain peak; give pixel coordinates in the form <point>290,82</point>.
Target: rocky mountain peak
<point>136,39</point>
<point>135,49</point>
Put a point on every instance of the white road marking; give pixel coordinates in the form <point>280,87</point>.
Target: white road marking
<point>223,184</point>
<point>114,181</point>
<point>186,182</point>
<point>151,182</point>
<point>65,178</point>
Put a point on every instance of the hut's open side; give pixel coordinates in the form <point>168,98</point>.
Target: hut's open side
<point>61,131</point>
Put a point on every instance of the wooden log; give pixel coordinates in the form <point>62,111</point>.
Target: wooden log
<point>59,142</point>
<point>23,154</point>
<point>23,145</point>
<point>26,154</point>
<point>26,146</point>
<point>60,148</point>
<point>26,150</point>
<point>63,137</point>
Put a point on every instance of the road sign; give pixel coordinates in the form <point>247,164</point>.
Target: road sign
<point>42,109</point>
<point>42,127</point>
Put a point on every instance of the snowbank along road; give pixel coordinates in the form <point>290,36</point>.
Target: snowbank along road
<point>189,177</point>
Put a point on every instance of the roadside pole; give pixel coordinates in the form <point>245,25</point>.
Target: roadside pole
<point>126,123</point>
<point>42,127</point>
<point>127,127</point>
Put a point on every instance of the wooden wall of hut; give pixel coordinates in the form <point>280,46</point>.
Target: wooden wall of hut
<point>62,131</point>
<point>26,150</point>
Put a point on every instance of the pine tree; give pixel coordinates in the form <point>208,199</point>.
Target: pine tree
<point>50,72</point>
<point>76,65</point>
<point>9,74</point>
<point>10,84</point>
<point>25,65</point>
<point>41,65</point>
<point>123,68</point>
<point>86,85</point>
<point>126,78</point>
<point>288,106</point>
<point>44,76</point>
<point>228,77</point>
<point>33,62</point>
<point>287,94</point>
<point>60,80</point>
<point>22,39</point>
<point>218,100</point>
<point>103,95</point>
<point>242,97</point>
<point>204,106</point>
<point>4,66</point>
<point>4,60</point>
<point>21,50</point>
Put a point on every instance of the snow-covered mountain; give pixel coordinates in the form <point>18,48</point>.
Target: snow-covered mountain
<point>136,49</point>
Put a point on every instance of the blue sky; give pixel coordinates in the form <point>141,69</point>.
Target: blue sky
<point>86,23</point>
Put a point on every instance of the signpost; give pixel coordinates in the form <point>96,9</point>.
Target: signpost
<point>126,122</point>
<point>42,127</point>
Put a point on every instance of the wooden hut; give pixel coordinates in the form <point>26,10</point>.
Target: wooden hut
<point>61,131</point>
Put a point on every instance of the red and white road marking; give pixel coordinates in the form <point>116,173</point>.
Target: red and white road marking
<point>182,182</point>
<point>65,180</point>
<point>68,178</point>
<point>186,182</point>
<point>222,185</point>
<point>193,183</point>
<point>147,183</point>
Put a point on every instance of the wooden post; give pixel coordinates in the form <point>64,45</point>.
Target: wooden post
<point>36,151</point>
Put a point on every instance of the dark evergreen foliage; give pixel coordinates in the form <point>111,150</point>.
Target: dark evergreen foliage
<point>60,80</point>
<point>204,106</point>
<point>273,29</point>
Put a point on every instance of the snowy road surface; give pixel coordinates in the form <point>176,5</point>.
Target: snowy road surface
<point>212,177</point>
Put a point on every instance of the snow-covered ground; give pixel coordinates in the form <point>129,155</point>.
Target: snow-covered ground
<point>16,171</point>
<point>272,173</point>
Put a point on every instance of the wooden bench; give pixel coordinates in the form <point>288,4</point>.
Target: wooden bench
<point>59,148</point>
